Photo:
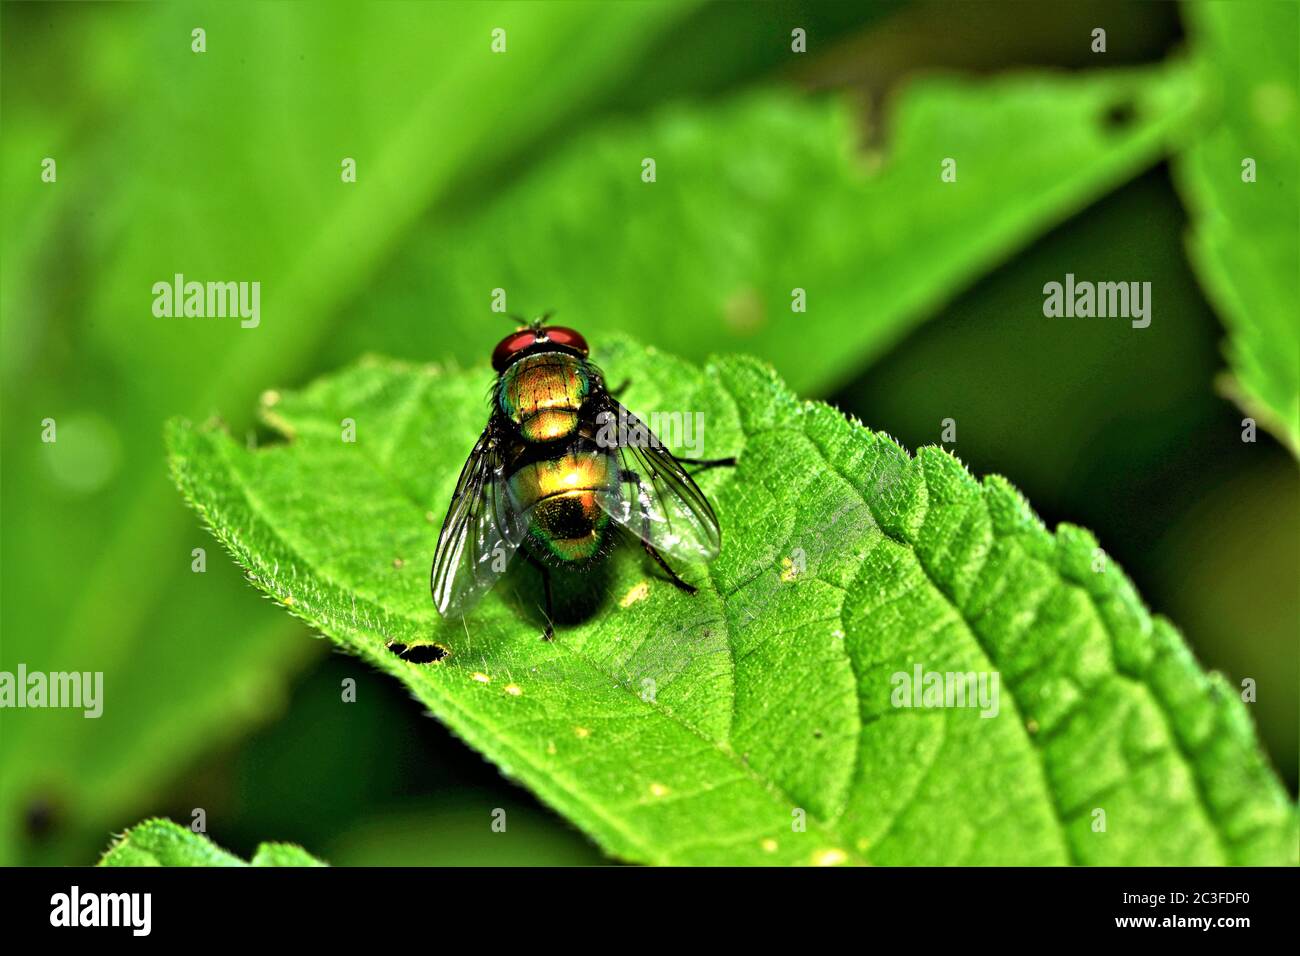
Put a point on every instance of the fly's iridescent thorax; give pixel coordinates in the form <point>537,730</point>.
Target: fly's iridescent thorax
<point>564,497</point>
<point>543,393</point>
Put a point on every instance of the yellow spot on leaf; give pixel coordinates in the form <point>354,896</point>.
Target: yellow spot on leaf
<point>658,790</point>
<point>831,857</point>
<point>270,397</point>
<point>288,600</point>
<point>514,690</point>
<point>638,593</point>
<point>769,845</point>
<point>788,571</point>
<point>481,677</point>
<point>398,562</point>
<point>582,731</point>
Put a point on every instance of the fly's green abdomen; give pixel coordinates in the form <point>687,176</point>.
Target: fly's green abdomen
<point>562,498</point>
<point>543,393</point>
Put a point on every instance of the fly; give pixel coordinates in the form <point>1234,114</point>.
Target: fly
<point>560,472</point>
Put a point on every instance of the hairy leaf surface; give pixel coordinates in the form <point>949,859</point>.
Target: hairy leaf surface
<point>164,843</point>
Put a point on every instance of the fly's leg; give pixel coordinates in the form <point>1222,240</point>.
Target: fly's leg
<point>650,549</point>
<point>549,633</point>
<point>707,463</point>
<point>622,387</point>
<point>672,575</point>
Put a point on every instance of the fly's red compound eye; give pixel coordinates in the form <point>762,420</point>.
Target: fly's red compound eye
<point>516,342</point>
<point>567,338</point>
<point>512,343</point>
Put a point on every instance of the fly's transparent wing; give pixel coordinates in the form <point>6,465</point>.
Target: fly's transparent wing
<point>480,534</point>
<point>657,500</point>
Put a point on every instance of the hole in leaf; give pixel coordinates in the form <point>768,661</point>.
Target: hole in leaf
<point>418,653</point>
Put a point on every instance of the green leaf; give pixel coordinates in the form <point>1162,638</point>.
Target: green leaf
<point>1245,236</point>
<point>164,843</point>
<point>283,854</point>
<point>758,196</point>
<point>678,729</point>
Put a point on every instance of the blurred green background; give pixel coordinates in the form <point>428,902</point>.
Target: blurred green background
<point>522,170</point>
